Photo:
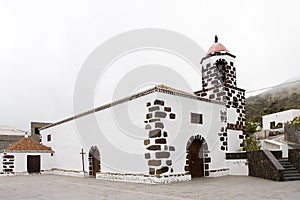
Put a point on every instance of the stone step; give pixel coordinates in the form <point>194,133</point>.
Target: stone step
<point>283,160</point>
<point>287,164</point>
<point>290,168</point>
<point>291,171</point>
<point>291,174</point>
<point>292,178</point>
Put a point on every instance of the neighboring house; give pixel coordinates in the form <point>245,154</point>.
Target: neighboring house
<point>277,120</point>
<point>7,140</point>
<point>171,135</point>
<point>8,130</point>
<point>10,135</point>
<point>20,151</point>
<point>35,127</point>
<point>275,124</point>
<point>25,156</point>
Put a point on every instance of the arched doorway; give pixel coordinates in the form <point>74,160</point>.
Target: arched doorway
<point>197,157</point>
<point>94,161</point>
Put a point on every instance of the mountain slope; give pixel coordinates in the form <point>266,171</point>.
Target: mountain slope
<point>274,100</point>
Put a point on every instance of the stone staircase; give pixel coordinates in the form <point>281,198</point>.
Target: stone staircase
<point>290,173</point>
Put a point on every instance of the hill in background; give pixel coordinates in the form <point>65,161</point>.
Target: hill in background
<point>274,100</point>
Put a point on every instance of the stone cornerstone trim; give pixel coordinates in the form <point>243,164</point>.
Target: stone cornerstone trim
<point>158,150</point>
<point>8,162</point>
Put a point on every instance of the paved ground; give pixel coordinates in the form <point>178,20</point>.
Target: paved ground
<point>51,187</point>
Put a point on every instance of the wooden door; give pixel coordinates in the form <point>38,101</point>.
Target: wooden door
<point>96,167</point>
<point>196,165</point>
<point>34,164</point>
<point>94,161</point>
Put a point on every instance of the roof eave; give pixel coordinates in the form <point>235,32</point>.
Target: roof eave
<point>217,54</point>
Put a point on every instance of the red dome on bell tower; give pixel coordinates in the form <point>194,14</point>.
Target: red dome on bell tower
<point>216,47</point>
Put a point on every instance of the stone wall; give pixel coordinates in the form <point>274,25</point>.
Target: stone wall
<point>158,150</point>
<point>8,162</point>
<point>263,164</point>
<point>292,133</point>
<point>294,157</point>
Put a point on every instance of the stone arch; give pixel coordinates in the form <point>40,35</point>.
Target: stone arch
<point>94,161</point>
<point>197,159</point>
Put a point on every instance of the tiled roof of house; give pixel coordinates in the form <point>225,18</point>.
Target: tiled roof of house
<point>7,140</point>
<point>27,144</point>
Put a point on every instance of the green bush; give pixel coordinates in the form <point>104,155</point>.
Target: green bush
<point>251,144</point>
<point>296,121</point>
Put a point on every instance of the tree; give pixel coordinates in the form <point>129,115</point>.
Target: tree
<point>251,143</point>
<point>251,128</point>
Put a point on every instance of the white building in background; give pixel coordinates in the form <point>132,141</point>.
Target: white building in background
<point>273,124</point>
<point>277,120</point>
<point>159,135</point>
<point>8,130</point>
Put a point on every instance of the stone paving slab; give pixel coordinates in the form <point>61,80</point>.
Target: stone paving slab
<point>53,187</point>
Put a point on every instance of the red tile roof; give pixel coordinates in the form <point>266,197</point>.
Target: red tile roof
<point>217,47</point>
<point>27,144</point>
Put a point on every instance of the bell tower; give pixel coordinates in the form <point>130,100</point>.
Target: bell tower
<point>218,71</point>
<point>219,83</point>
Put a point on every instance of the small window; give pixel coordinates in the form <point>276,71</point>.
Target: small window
<point>196,118</point>
<point>49,137</point>
<point>272,125</point>
<point>36,131</point>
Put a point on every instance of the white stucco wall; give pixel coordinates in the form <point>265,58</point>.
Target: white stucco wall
<point>232,115</point>
<point>280,117</point>
<point>66,146</point>
<point>121,134</point>
<point>238,167</point>
<point>21,161</point>
<point>275,145</point>
<point>233,140</point>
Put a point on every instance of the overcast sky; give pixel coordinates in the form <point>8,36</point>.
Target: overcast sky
<point>44,43</point>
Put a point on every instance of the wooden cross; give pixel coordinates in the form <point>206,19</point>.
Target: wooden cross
<point>82,157</point>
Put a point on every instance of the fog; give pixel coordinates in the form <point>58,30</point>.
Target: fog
<point>43,44</point>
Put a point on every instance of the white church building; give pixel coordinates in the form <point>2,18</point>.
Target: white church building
<point>183,135</point>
